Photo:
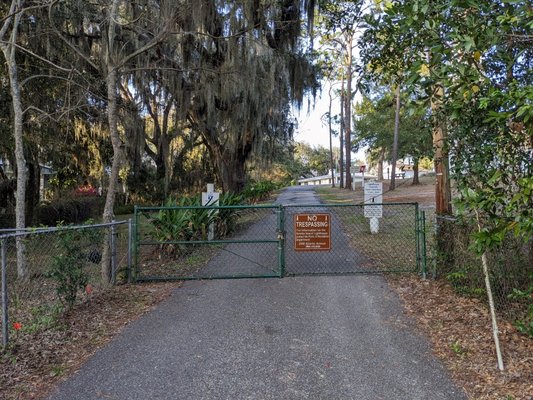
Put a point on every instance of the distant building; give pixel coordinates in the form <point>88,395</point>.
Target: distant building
<point>326,179</point>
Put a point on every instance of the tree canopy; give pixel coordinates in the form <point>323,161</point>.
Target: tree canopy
<point>471,62</point>
<point>209,80</point>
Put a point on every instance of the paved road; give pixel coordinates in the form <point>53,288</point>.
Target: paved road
<point>334,337</point>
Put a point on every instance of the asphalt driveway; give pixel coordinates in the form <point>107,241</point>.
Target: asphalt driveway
<point>328,337</point>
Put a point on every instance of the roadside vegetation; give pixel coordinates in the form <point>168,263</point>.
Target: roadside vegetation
<point>110,104</point>
<point>454,315</point>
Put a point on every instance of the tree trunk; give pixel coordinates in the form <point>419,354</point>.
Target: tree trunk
<point>348,116</point>
<point>8,49</point>
<point>392,185</point>
<point>161,166</point>
<point>229,163</point>
<point>341,136</point>
<point>332,166</point>
<point>161,139</point>
<point>32,192</point>
<point>111,78</point>
<point>443,196</point>
<point>111,81</point>
<point>380,164</point>
<point>443,205</point>
<point>231,171</point>
<point>416,168</point>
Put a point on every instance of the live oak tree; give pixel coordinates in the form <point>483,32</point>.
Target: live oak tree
<point>105,38</point>
<point>210,74</point>
<point>246,69</point>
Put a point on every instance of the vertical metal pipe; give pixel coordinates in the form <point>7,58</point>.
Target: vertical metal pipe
<point>5,319</point>
<point>130,247</point>
<point>435,255</point>
<point>281,240</point>
<point>135,267</point>
<point>417,239</point>
<point>113,252</point>
<point>424,254</point>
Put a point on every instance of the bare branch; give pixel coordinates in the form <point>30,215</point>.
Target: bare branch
<point>31,53</point>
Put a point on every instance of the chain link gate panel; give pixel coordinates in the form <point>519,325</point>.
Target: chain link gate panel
<point>274,241</point>
<point>351,247</point>
<point>174,243</point>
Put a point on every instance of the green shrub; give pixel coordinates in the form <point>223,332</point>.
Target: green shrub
<point>226,219</point>
<point>69,211</point>
<point>177,223</point>
<point>525,297</point>
<point>67,266</point>
<point>124,209</point>
<point>258,191</point>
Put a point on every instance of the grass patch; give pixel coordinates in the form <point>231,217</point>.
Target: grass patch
<point>393,248</point>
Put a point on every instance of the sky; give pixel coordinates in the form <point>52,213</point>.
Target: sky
<point>312,129</point>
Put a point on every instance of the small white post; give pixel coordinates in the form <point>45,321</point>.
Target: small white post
<point>210,198</point>
<point>374,225</point>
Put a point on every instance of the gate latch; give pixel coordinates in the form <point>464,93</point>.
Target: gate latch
<point>281,235</point>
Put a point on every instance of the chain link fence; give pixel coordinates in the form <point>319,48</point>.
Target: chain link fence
<point>60,267</point>
<point>510,270</point>
<point>364,238</point>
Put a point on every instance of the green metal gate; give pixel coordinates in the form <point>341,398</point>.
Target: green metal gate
<point>276,241</point>
<point>174,242</point>
<point>395,245</point>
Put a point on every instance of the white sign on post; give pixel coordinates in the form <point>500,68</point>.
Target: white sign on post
<point>211,198</point>
<point>373,194</point>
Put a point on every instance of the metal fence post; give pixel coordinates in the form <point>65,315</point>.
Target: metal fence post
<point>418,234</point>
<point>281,240</point>
<point>130,247</point>
<point>434,251</point>
<point>113,252</point>
<point>5,319</point>
<point>135,244</point>
<point>423,239</point>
